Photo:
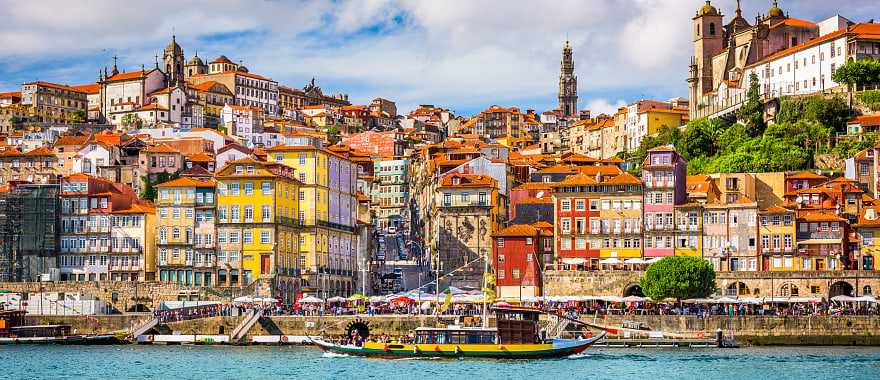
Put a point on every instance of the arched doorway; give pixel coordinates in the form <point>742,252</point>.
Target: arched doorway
<point>789,290</point>
<point>866,290</point>
<point>840,288</point>
<point>633,290</point>
<point>737,289</point>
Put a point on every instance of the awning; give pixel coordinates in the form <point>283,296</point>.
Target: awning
<point>612,260</point>
<point>819,241</point>
<point>634,261</point>
<point>574,261</point>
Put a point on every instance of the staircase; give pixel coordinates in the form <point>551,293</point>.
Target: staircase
<point>250,319</point>
<point>144,327</point>
<point>557,327</point>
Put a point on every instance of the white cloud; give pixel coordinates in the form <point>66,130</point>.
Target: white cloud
<point>463,54</point>
<point>600,106</point>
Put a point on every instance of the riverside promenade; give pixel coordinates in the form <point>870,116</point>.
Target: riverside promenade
<point>747,330</point>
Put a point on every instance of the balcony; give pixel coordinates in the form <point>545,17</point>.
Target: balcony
<point>125,268</point>
<point>137,250</point>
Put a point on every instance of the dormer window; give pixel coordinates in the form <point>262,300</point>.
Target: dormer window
<point>456,181</point>
<point>239,169</point>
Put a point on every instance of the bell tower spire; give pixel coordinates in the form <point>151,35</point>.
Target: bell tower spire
<point>567,82</point>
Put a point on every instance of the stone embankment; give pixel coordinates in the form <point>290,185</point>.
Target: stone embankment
<point>747,330</point>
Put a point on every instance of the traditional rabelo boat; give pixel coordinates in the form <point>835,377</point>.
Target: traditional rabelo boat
<point>517,336</point>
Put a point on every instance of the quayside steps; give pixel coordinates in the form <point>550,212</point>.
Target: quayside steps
<point>144,327</point>
<point>250,319</point>
<point>557,326</point>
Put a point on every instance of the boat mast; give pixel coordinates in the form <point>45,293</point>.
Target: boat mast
<point>485,317</point>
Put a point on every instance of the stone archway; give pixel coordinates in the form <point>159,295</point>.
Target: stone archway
<point>633,290</point>
<point>840,288</point>
<point>737,289</point>
<point>789,290</point>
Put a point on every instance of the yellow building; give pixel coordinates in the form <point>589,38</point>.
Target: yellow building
<point>327,214</point>
<point>133,243</point>
<point>257,229</point>
<point>777,246</point>
<point>186,232</point>
<point>618,226</point>
<point>689,229</point>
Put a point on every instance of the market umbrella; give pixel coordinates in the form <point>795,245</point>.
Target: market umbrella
<point>336,299</point>
<point>635,260</point>
<point>843,298</point>
<point>377,299</point>
<point>866,299</point>
<point>355,297</point>
<point>634,299</point>
<point>310,299</point>
<point>725,300</point>
<point>612,261</point>
<point>426,305</point>
<point>405,299</point>
<point>502,304</point>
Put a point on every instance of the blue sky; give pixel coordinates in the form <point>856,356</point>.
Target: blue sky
<point>463,55</point>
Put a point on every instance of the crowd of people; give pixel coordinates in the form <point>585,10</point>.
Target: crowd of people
<point>705,310</point>
<point>597,307</point>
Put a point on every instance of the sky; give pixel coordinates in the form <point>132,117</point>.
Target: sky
<point>465,55</point>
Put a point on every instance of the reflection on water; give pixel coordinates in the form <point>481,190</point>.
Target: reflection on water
<point>200,362</point>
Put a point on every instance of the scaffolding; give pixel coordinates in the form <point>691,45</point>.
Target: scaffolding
<point>29,231</point>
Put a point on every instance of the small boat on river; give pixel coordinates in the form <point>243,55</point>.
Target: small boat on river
<point>12,331</point>
<point>517,336</point>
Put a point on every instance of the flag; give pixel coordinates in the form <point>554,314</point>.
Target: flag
<point>447,302</point>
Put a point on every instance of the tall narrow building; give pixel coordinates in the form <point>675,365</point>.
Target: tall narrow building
<point>173,59</point>
<point>568,83</point>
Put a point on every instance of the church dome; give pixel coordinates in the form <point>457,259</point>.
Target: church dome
<point>173,46</point>
<point>195,61</point>
<point>221,59</point>
<point>775,11</point>
<point>708,10</point>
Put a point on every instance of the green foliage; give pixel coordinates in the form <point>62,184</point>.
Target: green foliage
<point>870,99</point>
<point>79,116</point>
<point>333,136</point>
<point>752,112</point>
<point>679,277</point>
<point>847,148</point>
<point>14,120</point>
<point>665,136</point>
<point>132,120</point>
<point>149,191</point>
<point>861,72</point>
<point>698,139</point>
<point>829,112</point>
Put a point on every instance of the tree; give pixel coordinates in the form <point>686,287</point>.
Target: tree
<point>14,120</point>
<point>78,116</point>
<point>679,277</point>
<point>132,120</point>
<point>332,135</point>
<point>149,191</point>
<point>752,113</point>
<point>858,73</point>
<point>697,140</point>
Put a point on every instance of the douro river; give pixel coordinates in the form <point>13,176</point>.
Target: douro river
<point>226,362</point>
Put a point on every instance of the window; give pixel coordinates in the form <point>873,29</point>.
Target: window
<point>500,243</point>
<point>528,241</point>
<point>500,257</point>
<point>264,237</point>
<point>580,205</point>
<point>248,188</point>
<point>565,205</point>
<point>267,188</point>
<point>566,225</point>
<point>247,237</point>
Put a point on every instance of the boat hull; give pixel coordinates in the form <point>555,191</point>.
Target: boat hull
<point>557,349</point>
<point>71,339</point>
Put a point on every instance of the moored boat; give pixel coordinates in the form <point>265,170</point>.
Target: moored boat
<point>517,336</point>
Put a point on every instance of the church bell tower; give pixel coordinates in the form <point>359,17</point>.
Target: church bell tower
<point>567,83</point>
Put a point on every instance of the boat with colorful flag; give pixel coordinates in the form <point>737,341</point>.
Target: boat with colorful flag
<point>517,335</point>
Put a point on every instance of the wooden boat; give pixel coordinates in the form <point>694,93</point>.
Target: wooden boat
<point>12,331</point>
<point>517,336</point>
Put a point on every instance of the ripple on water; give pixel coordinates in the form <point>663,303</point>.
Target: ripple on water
<point>197,362</point>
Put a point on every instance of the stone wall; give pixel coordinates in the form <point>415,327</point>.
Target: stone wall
<point>296,325</point>
<point>91,324</point>
<point>825,284</point>
<point>126,295</point>
<point>748,330</point>
<point>573,283</point>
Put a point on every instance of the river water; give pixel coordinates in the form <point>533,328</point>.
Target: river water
<point>225,362</point>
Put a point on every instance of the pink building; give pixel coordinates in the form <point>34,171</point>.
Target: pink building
<point>664,174</point>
